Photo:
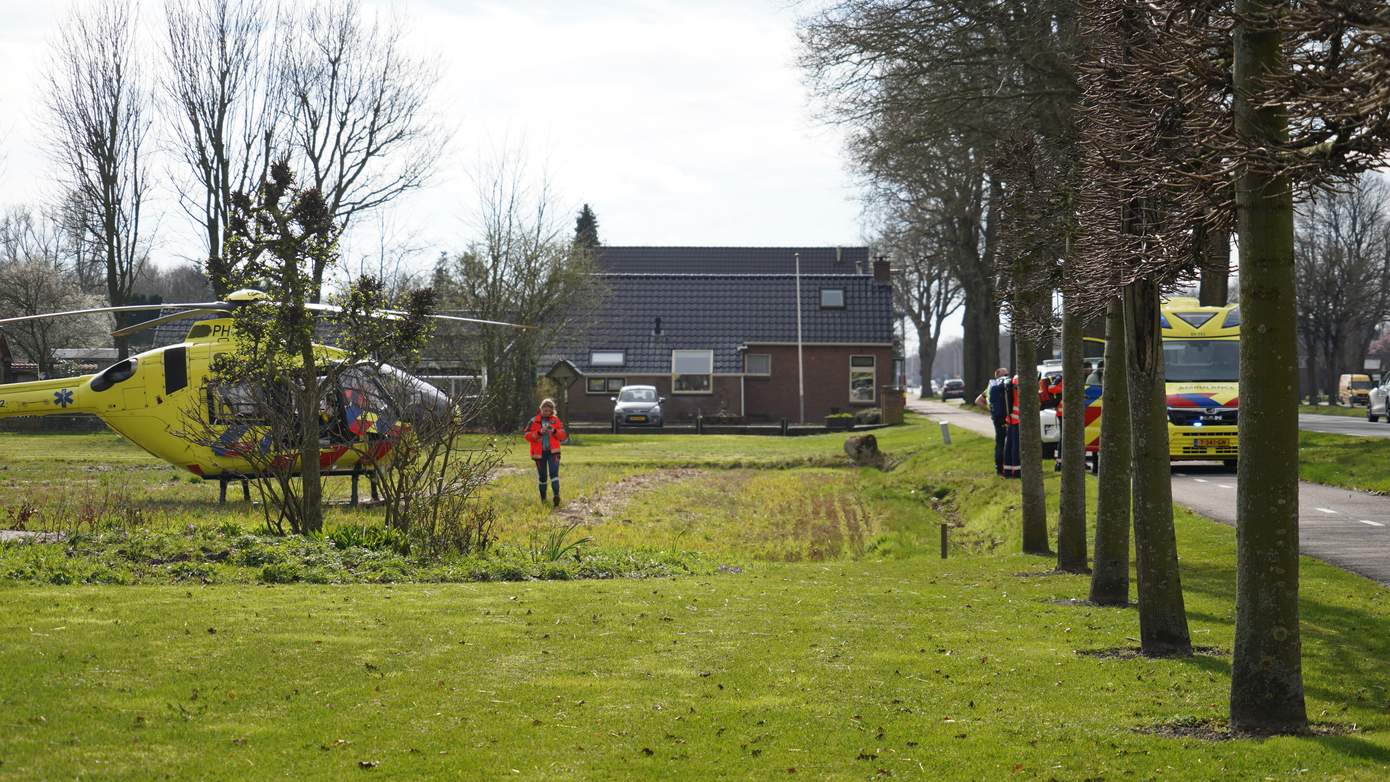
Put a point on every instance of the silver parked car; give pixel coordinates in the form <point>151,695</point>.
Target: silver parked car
<point>637,406</point>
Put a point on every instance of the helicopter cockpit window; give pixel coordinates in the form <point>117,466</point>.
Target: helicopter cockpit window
<point>116,373</point>
<point>235,403</point>
<point>416,400</point>
<point>388,391</point>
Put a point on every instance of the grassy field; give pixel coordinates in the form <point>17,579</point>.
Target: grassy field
<point>826,639</point>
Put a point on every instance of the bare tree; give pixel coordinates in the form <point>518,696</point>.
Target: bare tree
<point>175,284</point>
<point>923,287</point>
<point>928,88</point>
<point>389,253</point>
<point>523,267</point>
<point>86,256</point>
<point>358,100</point>
<point>223,90</point>
<point>1342,273</point>
<point>99,105</point>
<point>36,277</point>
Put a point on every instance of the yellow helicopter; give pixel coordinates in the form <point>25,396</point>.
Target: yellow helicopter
<point>147,398</point>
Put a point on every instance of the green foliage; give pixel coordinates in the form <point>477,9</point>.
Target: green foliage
<point>346,555</point>
<point>551,543</point>
<point>586,229</point>
<point>374,538</point>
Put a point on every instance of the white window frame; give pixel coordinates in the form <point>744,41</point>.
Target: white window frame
<point>709,355</point>
<point>825,306</point>
<point>872,370</point>
<point>750,372</point>
<point>595,361</point>
<point>607,385</point>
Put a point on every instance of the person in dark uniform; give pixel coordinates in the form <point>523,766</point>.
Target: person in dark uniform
<point>995,399</point>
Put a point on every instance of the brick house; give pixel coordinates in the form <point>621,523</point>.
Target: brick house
<point>715,330</point>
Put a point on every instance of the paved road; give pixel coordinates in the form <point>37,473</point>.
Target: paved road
<point>1349,529</point>
<point>1342,424</point>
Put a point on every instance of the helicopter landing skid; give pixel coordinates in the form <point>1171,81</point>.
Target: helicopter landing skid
<point>355,474</point>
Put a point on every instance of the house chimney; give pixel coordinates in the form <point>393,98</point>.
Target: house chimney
<point>882,271</point>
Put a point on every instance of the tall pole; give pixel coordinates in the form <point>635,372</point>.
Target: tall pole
<point>800,367</point>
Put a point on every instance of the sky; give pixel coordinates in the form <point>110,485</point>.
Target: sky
<point>679,122</point>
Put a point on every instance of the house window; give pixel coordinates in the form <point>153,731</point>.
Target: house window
<point>607,358</point>
<point>861,379</point>
<point>757,364</point>
<point>605,385</point>
<point>832,298</point>
<point>692,371</point>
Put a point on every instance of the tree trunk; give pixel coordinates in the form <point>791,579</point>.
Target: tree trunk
<point>1071,519</point>
<point>311,490</point>
<point>1266,666</point>
<point>926,356</point>
<point>1311,355</point>
<point>1215,260</point>
<point>1030,451</point>
<point>1331,372</point>
<point>980,344</point>
<point>1110,578</point>
<point>1162,616</point>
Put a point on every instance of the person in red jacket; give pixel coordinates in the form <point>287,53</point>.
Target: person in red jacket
<point>545,433</point>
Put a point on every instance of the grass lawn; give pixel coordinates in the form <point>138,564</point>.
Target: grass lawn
<point>1353,412</point>
<point>1344,460</point>
<point>827,641</point>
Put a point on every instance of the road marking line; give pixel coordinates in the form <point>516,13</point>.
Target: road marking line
<point>1372,523</point>
<point>1225,485</point>
<point>1200,480</point>
<point>1326,510</point>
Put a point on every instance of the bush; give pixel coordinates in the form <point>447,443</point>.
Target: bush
<point>374,538</point>
<point>227,555</point>
<point>873,415</point>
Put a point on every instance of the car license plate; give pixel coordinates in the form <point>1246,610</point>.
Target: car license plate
<point>637,419</point>
<point>1213,442</point>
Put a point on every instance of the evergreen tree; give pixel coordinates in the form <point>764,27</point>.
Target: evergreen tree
<point>586,229</point>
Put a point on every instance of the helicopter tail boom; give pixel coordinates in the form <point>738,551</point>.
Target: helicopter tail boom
<point>46,397</point>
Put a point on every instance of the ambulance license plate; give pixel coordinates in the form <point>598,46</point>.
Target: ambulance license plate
<point>1211,442</point>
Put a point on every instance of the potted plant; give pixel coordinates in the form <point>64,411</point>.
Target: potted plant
<point>839,422</point>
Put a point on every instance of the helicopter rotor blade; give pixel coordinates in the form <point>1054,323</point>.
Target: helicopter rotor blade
<point>124,308</point>
<point>460,319</point>
<point>153,322</point>
<point>401,314</point>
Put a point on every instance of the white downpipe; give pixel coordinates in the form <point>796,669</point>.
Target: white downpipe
<point>800,365</point>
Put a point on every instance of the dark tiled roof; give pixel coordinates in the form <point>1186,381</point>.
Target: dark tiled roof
<point>720,312</point>
<point>733,260</point>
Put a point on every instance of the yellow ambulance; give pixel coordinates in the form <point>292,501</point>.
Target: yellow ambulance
<point>1201,362</point>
